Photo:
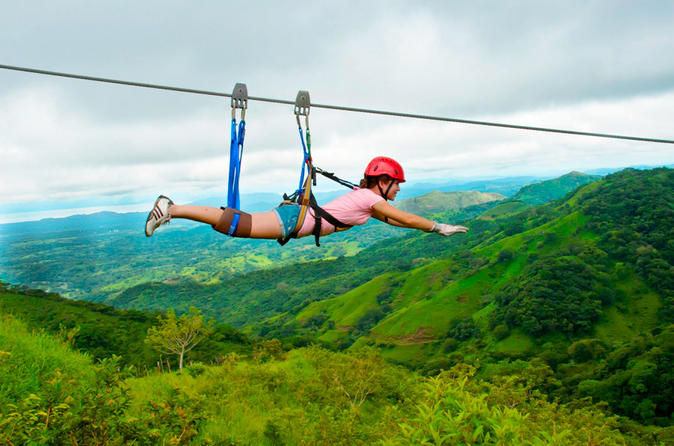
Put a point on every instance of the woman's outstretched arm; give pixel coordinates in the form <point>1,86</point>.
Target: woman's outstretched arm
<point>385,212</point>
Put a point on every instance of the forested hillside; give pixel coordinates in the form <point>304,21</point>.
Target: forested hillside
<point>581,284</point>
<point>571,301</point>
<point>437,202</point>
<point>54,395</point>
<point>97,256</point>
<point>544,191</point>
<point>102,331</point>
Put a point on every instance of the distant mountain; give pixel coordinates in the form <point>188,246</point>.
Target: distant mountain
<point>544,191</point>
<point>503,186</point>
<point>437,201</point>
<point>610,170</point>
<point>99,255</point>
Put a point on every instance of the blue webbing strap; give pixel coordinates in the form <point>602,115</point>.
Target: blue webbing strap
<point>305,166</point>
<point>235,156</point>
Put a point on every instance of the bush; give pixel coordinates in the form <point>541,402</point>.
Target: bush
<point>553,294</point>
<point>501,332</point>
<point>449,345</point>
<point>504,256</point>
<point>464,330</point>
<point>587,349</point>
<point>195,369</point>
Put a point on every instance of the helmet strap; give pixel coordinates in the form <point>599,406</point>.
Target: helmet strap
<point>381,191</point>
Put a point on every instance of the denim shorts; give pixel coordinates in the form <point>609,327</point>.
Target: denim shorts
<point>287,215</point>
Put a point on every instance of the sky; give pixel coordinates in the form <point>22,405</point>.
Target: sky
<point>66,145</point>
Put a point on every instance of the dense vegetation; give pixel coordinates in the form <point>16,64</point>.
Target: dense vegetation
<point>94,257</point>
<point>549,283</point>
<point>545,191</point>
<point>543,324</point>
<point>52,395</point>
<point>103,332</point>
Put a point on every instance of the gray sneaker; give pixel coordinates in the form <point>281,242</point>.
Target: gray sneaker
<point>158,215</point>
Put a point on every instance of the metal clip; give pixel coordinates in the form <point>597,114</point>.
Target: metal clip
<point>302,103</point>
<point>239,100</point>
<point>302,106</point>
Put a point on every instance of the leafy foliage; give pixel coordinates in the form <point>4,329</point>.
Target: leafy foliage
<point>561,294</point>
<point>545,191</point>
<point>567,302</point>
<point>456,409</point>
<point>103,331</point>
<point>634,214</point>
<point>179,335</point>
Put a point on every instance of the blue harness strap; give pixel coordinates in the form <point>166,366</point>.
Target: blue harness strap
<point>305,162</point>
<point>239,100</point>
<point>235,156</point>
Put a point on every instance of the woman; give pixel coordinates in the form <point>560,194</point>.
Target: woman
<point>381,183</point>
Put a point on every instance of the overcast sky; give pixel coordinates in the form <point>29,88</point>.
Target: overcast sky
<point>602,66</point>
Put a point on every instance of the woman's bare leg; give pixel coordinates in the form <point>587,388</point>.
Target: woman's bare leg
<point>263,224</point>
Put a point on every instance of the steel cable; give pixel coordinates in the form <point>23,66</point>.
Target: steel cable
<point>339,107</point>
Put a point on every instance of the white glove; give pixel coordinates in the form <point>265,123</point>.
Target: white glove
<point>447,230</point>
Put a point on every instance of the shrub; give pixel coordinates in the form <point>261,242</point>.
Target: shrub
<point>587,349</point>
<point>501,331</point>
<point>464,330</point>
<point>504,256</point>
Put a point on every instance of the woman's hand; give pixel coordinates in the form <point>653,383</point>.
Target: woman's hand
<point>447,230</point>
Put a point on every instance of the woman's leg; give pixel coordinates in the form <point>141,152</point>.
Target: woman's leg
<point>263,224</point>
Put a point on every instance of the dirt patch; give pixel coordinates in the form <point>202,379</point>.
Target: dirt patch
<point>422,336</point>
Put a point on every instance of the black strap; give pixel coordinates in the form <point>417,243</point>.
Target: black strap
<point>320,213</point>
<point>335,178</point>
<point>318,222</point>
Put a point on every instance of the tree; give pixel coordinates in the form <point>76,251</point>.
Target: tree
<point>179,335</point>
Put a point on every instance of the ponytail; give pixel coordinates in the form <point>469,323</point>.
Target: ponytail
<point>370,181</point>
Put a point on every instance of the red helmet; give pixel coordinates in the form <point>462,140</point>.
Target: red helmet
<point>382,165</point>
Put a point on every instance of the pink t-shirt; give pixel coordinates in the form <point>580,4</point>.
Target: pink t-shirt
<point>353,208</point>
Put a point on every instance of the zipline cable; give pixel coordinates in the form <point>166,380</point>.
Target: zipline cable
<point>339,107</point>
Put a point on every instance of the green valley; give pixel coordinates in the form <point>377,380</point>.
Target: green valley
<point>546,323</point>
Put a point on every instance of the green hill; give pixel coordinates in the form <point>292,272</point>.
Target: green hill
<point>98,256</point>
<point>102,331</point>
<point>502,210</point>
<point>438,202</point>
<point>52,395</point>
<point>569,301</point>
<point>544,191</point>
<point>251,298</point>
<point>593,271</point>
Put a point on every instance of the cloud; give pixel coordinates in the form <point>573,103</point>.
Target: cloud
<point>599,67</point>
<point>52,152</point>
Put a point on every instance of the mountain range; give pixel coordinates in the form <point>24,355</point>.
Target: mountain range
<point>574,296</point>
